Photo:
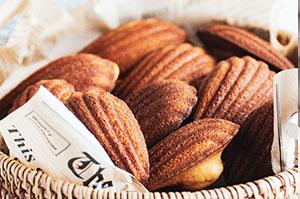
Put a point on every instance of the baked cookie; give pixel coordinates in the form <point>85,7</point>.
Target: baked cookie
<point>161,107</point>
<point>128,43</point>
<point>191,156</point>
<point>181,62</point>
<point>58,87</point>
<point>234,89</point>
<point>115,127</point>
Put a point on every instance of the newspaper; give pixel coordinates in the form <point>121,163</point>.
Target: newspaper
<point>285,152</point>
<point>44,134</point>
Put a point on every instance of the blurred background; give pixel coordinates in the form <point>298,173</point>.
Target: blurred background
<point>39,30</point>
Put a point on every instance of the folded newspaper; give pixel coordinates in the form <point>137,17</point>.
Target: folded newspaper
<point>285,152</point>
<point>44,134</point>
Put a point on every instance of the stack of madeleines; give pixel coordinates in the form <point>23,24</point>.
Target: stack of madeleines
<point>165,110</point>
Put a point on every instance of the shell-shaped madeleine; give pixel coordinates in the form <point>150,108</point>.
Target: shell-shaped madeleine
<point>224,41</point>
<point>248,156</point>
<point>181,62</point>
<point>161,107</point>
<point>188,147</point>
<point>234,89</point>
<point>115,127</point>
<point>58,87</point>
<point>128,43</point>
<point>83,71</point>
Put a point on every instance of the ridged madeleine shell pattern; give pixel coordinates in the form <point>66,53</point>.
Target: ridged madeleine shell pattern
<point>225,41</point>
<point>83,71</point>
<point>248,156</point>
<point>161,107</point>
<point>181,62</point>
<point>187,147</point>
<point>234,89</point>
<point>58,87</point>
<point>128,43</point>
<point>115,127</point>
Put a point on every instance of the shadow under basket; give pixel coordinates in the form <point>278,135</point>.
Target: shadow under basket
<point>19,181</point>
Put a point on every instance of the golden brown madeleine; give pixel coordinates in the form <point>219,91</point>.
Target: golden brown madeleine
<point>128,43</point>
<point>115,127</point>
<point>83,71</point>
<point>182,62</point>
<point>234,89</point>
<point>161,107</point>
<point>248,156</point>
<point>224,41</point>
<point>191,156</point>
<point>58,87</point>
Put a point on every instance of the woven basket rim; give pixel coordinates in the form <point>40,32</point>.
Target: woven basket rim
<point>13,170</point>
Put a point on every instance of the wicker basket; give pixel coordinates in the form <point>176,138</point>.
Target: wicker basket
<point>18,181</point>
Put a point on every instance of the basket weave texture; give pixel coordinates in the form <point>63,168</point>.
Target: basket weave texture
<point>19,181</point>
